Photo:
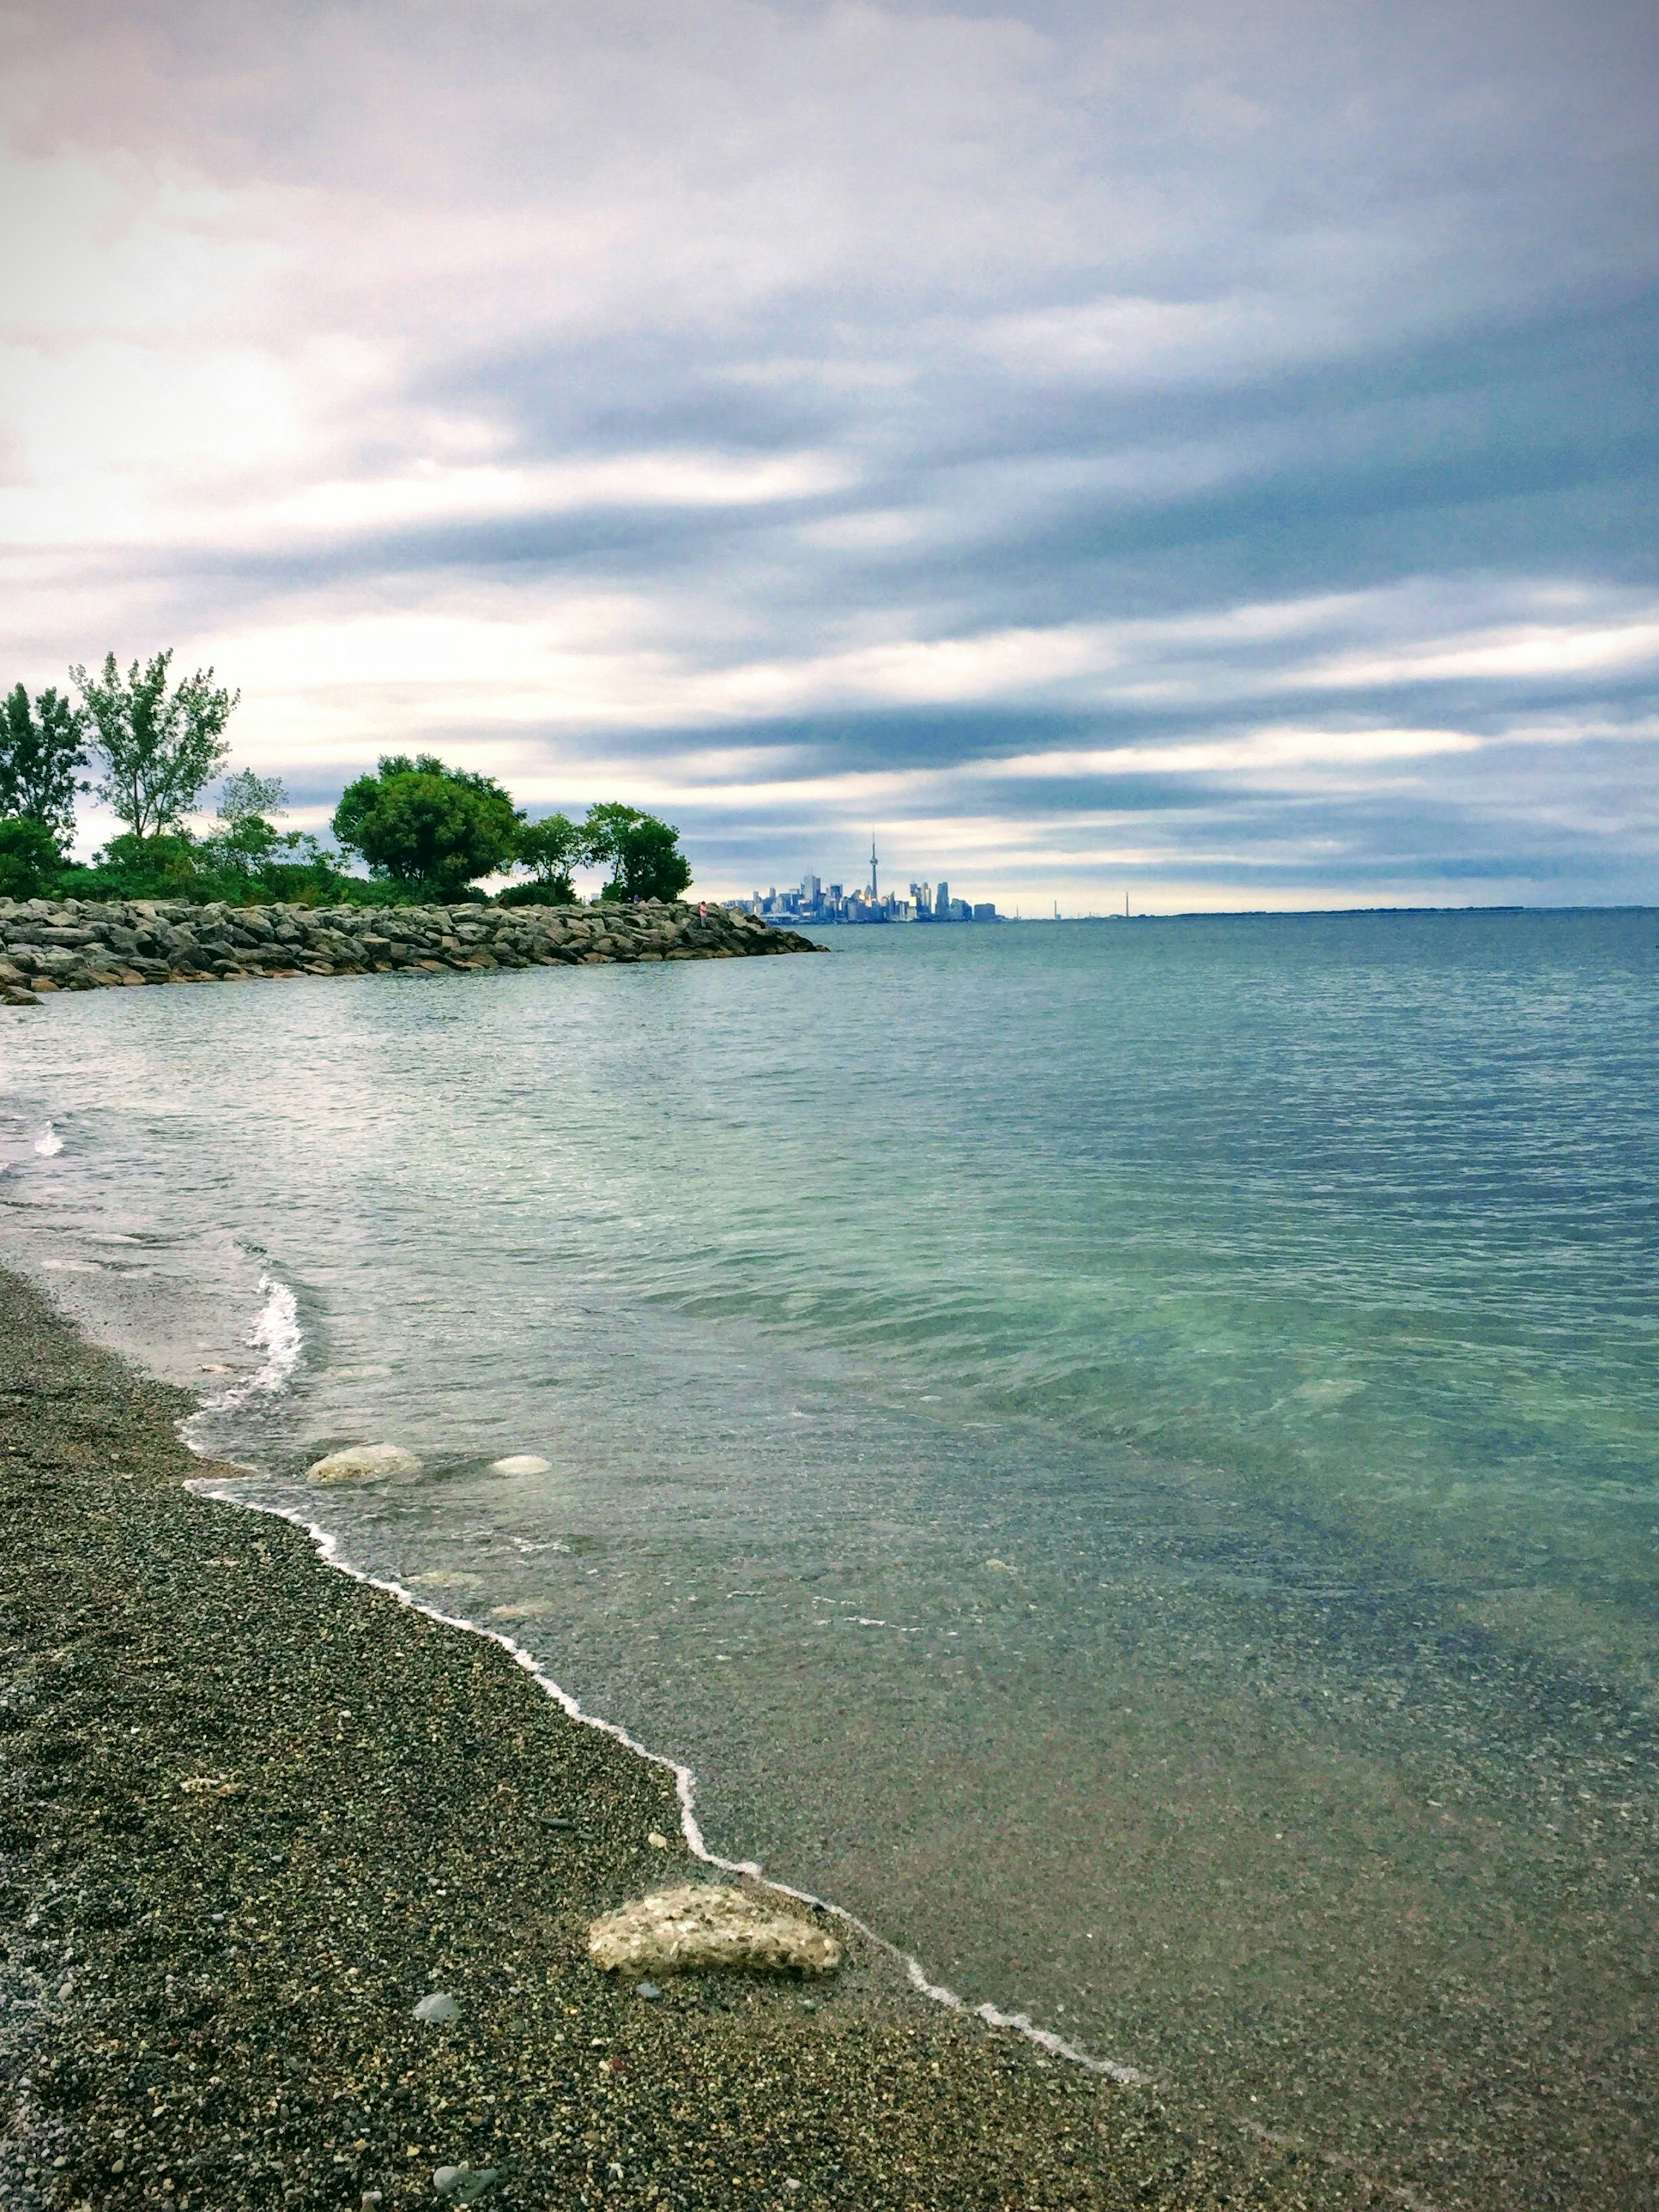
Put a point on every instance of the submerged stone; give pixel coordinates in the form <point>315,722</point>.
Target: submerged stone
<point>711,1928</point>
<point>465,2184</point>
<point>520,1463</point>
<point>363,1463</point>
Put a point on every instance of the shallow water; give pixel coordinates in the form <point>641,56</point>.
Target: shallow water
<point>1123,1454</point>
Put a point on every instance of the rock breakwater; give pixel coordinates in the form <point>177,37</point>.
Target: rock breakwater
<point>76,946</point>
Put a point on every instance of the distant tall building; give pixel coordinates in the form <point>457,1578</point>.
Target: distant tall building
<point>942,901</point>
<point>921,897</point>
<point>875,894</point>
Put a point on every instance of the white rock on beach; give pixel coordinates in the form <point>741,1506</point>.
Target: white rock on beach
<point>520,1463</point>
<point>709,1927</point>
<point>363,1463</point>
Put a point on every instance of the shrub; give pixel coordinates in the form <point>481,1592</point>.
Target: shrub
<point>29,858</point>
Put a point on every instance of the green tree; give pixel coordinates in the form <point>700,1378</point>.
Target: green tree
<point>642,854</point>
<point>40,748</point>
<point>245,838</point>
<point>246,797</point>
<point>159,747</point>
<point>29,858</point>
<point>550,848</point>
<point>429,828</point>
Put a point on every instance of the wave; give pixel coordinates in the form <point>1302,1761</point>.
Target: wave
<point>276,1332</point>
<point>49,1144</point>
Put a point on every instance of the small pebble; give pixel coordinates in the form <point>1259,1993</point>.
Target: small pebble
<point>436,2008</point>
<point>649,1991</point>
<point>658,1842</point>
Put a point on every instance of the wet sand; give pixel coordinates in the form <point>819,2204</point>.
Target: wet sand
<point>251,1811</point>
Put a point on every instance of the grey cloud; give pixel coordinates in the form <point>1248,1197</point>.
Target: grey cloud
<point>1089,321</point>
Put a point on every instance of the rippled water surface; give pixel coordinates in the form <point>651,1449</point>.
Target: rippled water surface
<point>1125,1454</point>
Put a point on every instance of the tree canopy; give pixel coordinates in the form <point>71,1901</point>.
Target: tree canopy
<point>42,746</point>
<point>551,849</point>
<point>429,828</point>
<point>160,748</point>
<point>642,852</point>
<point>424,830</point>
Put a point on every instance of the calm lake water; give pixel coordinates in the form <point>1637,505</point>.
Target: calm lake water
<point>1124,1454</point>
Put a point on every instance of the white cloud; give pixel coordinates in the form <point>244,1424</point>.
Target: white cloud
<point>537,383</point>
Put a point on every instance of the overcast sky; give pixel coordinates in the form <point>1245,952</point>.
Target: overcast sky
<point>1207,450</point>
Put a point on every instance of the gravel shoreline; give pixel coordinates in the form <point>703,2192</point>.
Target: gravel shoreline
<point>251,1811</point>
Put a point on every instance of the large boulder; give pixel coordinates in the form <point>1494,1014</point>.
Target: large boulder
<point>706,1926</point>
<point>363,1463</point>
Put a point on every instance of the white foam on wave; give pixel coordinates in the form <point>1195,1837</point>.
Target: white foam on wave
<point>685,1787</point>
<point>277,1332</point>
<point>48,1143</point>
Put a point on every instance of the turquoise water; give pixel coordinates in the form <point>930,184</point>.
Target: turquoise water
<point>1125,1454</point>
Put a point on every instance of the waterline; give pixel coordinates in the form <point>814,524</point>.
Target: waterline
<point>327,1546</point>
<point>1127,1465</point>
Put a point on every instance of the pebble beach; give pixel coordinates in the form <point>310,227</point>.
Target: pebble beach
<point>253,1814</point>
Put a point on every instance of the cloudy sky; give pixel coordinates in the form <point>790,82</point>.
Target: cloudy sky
<point>1203,450</point>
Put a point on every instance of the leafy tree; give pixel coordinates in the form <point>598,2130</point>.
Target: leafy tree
<point>249,798</point>
<point>430,828</point>
<point>40,748</point>
<point>29,858</point>
<point>159,747</point>
<point>550,848</point>
<point>246,839</point>
<point>642,854</point>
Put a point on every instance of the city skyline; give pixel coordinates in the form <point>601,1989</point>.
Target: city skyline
<point>814,900</point>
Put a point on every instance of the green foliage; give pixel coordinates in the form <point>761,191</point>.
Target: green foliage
<point>429,828</point>
<point>29,858</point>
<point>166,866</point>
<point>159,747</point>
<point>642,854</point>
<point>551,849</point>
<point>247,845</point>
<point>246,797</point>
<point>40,748</point>
<point>536,894</point>
<point>247,869</point>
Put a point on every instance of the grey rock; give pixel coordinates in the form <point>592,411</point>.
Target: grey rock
<point>437,2008</point>
<point>465,2184</point>
<point>698,1927</point>
<point>362,1463</point>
